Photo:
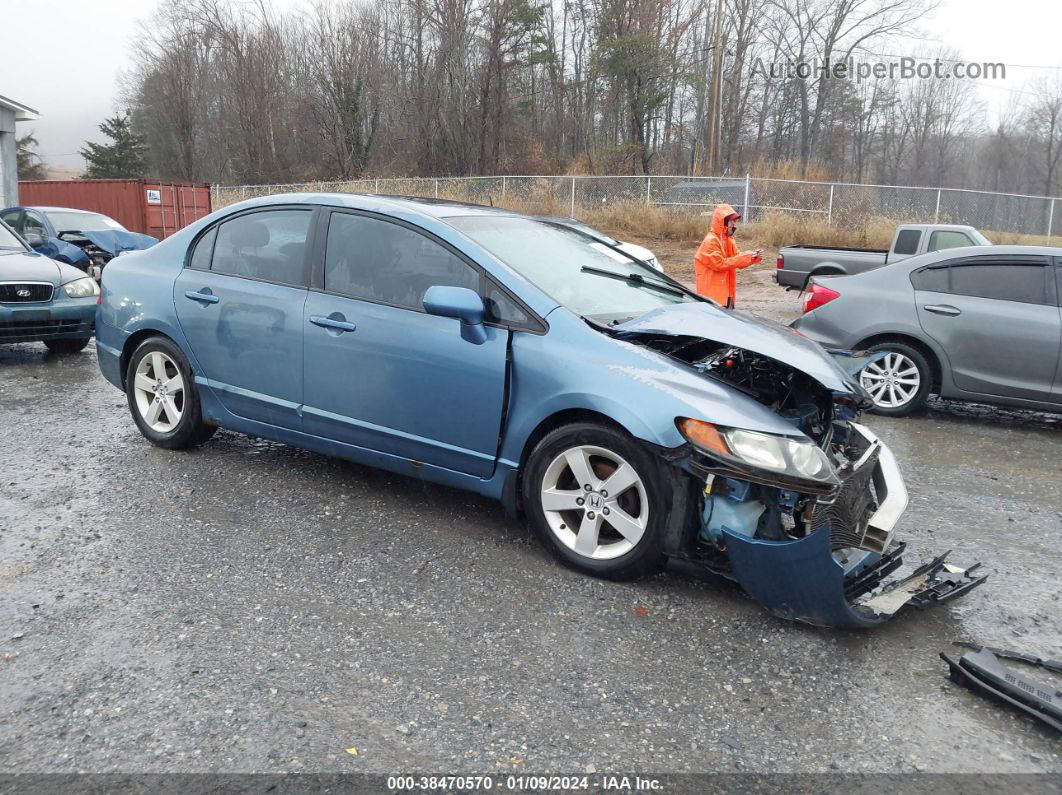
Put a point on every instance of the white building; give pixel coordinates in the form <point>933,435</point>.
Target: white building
<point>10,112</point>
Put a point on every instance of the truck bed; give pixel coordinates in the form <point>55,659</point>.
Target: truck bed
<point>804,247</point>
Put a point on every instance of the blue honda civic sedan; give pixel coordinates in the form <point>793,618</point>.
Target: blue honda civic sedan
<point>631,422</point>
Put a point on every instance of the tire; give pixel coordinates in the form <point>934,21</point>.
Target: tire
<point>646,504</point>
<point>67,346</point>
<point>162,396</point>
<point>909,390</point>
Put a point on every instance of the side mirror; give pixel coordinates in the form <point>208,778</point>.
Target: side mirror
<point>33,239</point>
<point>460,303</point>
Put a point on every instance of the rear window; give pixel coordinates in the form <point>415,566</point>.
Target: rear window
<point>907,241</point>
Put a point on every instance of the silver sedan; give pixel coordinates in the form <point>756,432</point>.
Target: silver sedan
<point>980,324</point>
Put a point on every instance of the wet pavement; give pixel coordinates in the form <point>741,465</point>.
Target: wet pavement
<point>251,607</point>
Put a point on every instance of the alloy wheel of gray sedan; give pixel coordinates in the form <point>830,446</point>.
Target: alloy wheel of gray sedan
<point>892,382</point>
<point>159,391</point>
<point>594,502</point>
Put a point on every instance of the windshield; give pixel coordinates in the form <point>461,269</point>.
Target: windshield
<point>82,222</point>
<point>567,265</point>
<point>9,241</point>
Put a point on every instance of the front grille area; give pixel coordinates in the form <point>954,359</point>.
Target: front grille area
<point>848,514</point>
<point>32,330</point>
<point>14,293</point>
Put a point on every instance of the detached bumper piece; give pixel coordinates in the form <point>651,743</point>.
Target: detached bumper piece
<point>982,672</point>
<point>802,581</point>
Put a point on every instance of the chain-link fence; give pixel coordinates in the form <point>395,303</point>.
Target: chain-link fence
<point>832,202</point>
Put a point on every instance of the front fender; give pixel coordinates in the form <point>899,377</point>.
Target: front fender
<point>576,367</point>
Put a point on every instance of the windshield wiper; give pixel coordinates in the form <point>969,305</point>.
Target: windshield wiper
<point>633,278</point>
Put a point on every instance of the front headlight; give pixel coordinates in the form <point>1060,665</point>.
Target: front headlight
<point>794,457</point>
<point>82,288</point>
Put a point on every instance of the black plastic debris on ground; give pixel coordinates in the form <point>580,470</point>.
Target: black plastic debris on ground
<point>980,670</point>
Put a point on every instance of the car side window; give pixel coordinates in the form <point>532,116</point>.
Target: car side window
<point>503,309</point>
<point>269,245</point>
<point>1026,283</point>
<point>932,279</point>
<point>203,251</point>
<point>907,241</point>
<point>33,223</point>
<point>946,238</point>
<point>12,218</point>
<point>388,263</point>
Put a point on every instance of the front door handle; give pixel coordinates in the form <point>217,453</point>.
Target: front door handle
<point>205,296</point>
<point>338,323</point>
<point>942,309</point>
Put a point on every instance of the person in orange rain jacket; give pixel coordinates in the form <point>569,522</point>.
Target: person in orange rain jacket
<point>717,261</point>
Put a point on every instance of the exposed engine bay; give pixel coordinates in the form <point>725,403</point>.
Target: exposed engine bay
<point>817,551</point>
<point>92,250</point>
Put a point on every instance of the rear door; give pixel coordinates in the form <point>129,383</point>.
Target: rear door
<point>997,320</point>
<point>383,374</point>
<point>240,301</point>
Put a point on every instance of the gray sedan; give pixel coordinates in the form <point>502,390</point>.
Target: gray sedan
<point>980,323</point>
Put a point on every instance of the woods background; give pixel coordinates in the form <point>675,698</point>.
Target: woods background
<point>238,92</point>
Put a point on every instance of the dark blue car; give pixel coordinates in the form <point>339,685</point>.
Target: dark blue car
<point>632,422</point>
<point>81,238</point>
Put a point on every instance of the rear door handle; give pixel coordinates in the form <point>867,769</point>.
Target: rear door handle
<point>204,297</point>
<point>332,323</point>
<point>942,309</point>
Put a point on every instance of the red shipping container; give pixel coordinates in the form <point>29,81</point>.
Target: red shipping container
<point>149,206</point>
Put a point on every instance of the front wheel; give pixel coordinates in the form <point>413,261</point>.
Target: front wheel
<point>899,384</point>
<point>162,396</point>
<point>598,500</point>
<point>67,346</point>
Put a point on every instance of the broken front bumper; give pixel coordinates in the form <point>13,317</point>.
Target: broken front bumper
<point>808,580</point>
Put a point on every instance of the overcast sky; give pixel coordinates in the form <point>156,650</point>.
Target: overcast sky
<point>65,57</point>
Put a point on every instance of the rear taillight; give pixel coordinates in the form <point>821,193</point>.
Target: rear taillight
<point>781,262</point>
<point>817,296</point>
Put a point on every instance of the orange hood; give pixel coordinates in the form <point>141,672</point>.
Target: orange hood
<point>719,216</point>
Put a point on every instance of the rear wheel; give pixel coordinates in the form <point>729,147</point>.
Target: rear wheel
<point>598,500</point>
<point>162,396</point>
<point>67,346</point>
<point>899,384</point>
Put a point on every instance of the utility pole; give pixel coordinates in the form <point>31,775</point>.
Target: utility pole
<point>715,95</point>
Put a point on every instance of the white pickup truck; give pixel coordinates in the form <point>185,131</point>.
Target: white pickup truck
<point>797,264</point>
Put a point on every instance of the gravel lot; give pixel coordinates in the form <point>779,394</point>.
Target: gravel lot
<point>252,607</point>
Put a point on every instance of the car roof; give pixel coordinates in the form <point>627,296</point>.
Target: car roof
<point>436,208</point>
<point>944,255</point>
<point>63,210</point>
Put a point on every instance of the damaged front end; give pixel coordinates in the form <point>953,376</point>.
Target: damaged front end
<point>803,521</point>
<point>92,250</point>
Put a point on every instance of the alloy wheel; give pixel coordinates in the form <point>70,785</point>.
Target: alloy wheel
<point>594,502</point>
<point>159,389</point>
<point>892,382</point>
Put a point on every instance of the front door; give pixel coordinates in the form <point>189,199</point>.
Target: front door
<point>997,321</point>
<point>384,375</point>
<point>240,304</point>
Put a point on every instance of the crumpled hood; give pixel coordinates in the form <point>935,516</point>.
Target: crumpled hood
<point>728,327</point>
<point>115,241</point>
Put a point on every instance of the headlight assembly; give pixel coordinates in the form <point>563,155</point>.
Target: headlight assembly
<point>82,288</point>
<point>792,457</point>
